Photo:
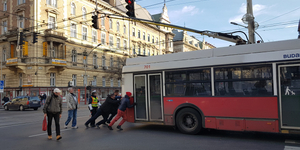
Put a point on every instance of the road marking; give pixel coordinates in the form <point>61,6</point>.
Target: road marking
<point>291,148</point>
<point>47,133</point>
<point>292,142</point>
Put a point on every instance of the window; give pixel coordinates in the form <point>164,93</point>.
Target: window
<point>4,27</point>
<point>171,44</point>
<point>103,81</point>
<point>5,6</point>
<point>51,22</point>
<point>94,81</point>
<point>125,45</point>
<point>4,55</point>
<point>149,52</point>
<point>163,43</point>
<point>4,77</point>
<point>111,82</point>
<point>244,81</point>
<point>139,50</point>
<point>156,40</point>
<point>74,79</point>
<point>119,83</point>
<point>73,9</point>
<point>124,28</point>
<point>118,26</point>
<point>73,30</point>
<point>52,3</point>
<point>111,41</point>
<point>144,36</point>
<point>133,50</point>
<point>144,51</point>
<point>110,23</point>
<point>188,83</point>
<point>133,31</point>
<point>20,79</point>
<point>53,52</point>
<point>111,61</point>
<point>103,61</point>
<point>139,34</point>
<point>118,43</point>
<point>84,33</point>
<point>148,37</point>
<point>95,59</point>
<point>21,21</point>
<point>84,13</point>
<point>153,39</point>
<point>74,56</point>
<point>21,2</point>
<point>52,79</point>
<point>94,36</point>
<point>103,38</point>
<point>103,20</point>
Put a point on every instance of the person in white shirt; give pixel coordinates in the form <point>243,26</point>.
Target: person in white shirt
<point>72,105</point>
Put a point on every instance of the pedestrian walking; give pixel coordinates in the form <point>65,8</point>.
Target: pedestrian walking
<point>93,106</point>
<point>115,108</point>
<point>125,103</point>
<point>72,106</point>
<point>53,109</point>
<point>44,98</point>
<point>104,110</point>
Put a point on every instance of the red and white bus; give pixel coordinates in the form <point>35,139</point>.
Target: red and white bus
<point>240,88</point>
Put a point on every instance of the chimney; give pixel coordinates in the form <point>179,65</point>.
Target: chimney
<point>111,2</point>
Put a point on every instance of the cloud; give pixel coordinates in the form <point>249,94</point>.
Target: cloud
<point>292,26</point>
<point>257,10</point>
<point>185,11</point>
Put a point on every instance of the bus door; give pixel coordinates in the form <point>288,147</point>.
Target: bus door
<point>289,96</point>
<point>148,96</point>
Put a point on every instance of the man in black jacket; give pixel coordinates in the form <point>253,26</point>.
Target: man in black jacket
<point>5,99</point>
<point>104,110</point>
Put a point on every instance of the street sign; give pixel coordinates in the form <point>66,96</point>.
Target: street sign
<point>1,86</point>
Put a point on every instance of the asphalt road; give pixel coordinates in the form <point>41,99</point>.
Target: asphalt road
<point>23,130</point>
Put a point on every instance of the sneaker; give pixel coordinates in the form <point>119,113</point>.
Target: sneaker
<point>75,127</point>
<point>104,124</point>
<point>119,127</point>
<point>108,122</point>
<point>58,137</point>
<point>87,126</point>
<point>65,126</point>
<point>93,126</point>
<point>97,126</point>
<point>110,128</point>
<point>49,137</point>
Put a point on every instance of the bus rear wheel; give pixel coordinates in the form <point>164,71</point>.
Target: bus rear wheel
<point>188,121</point>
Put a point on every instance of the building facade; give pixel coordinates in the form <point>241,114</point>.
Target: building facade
<point>185,43</point>
<point>65,35</point>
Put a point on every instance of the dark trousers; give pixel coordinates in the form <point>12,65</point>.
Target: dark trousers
<point>94,117</point>
<point>93,112</point>
<point>112,115</point>
<point>56,120</point>
<point>105,116</point>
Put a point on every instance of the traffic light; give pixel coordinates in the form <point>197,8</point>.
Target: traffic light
<point>130,8</point>
<point>95,21</point>
<point>25,48</point>
<point>21,38</point>
<point>35,38</point>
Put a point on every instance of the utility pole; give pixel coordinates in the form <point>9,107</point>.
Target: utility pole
<point>250,22</point>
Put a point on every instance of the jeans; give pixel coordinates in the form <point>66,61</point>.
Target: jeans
<point>119,115</point>
<point>56,119</point>
<point>112,115</point>
<point>72,114</point>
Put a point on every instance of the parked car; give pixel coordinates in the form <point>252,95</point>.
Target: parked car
<point>23,102</point>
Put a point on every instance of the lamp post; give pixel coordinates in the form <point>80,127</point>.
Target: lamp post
<point>234,23</point>
<point>85,54</point>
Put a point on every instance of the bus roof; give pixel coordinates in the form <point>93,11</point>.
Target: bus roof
<point>271,51</point>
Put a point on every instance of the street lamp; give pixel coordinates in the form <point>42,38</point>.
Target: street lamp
<point>234,23</point>
<point>85,54</point>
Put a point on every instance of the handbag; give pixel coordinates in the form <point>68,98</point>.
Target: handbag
<point>44,124</point>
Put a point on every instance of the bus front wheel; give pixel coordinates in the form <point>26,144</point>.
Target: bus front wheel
<point>188,121</point>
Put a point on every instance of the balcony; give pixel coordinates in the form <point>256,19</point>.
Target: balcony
<point>54,34</point>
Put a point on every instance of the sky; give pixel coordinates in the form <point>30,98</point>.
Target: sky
<point>277,19</point>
